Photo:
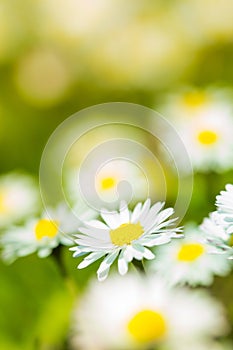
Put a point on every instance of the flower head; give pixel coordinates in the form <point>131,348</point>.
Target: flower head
<point>124,235</point>
<point>39,235</point>
<point>189,260</point>
<point>203,119</point>
<point>19,198</point>
<point>141,313</point>
<point>218,228</point>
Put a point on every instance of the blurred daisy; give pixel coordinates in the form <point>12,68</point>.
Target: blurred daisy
<point>112,174</point>
<point>204,345</point>
<point>118,179</point>
<point>204,121</point>
<point>19,198</point>
<point>54,227</point>
<point>189,261</point>
<point>125,236</point>
<point>142,313</point>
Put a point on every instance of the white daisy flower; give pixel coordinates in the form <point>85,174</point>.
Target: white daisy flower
<point>19,198</point>
<point>136,312</point>
<point>188,260</point>
<point>204,121</point>
<point>113,173</point>
<point>39,235</point>
<point>224,203</point>
<point>218,228</point>
<point>217,236</point>
<point>125,236</point>
<point>106,181</point>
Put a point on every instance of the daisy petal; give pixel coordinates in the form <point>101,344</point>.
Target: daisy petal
<point>91,258</point>
<point>122,264</point>
<point>104,267</point>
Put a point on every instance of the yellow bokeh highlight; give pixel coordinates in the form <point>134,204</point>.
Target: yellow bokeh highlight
<point>3,204</point>
<point>195,99</point>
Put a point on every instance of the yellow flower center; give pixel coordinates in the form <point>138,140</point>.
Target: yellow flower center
<point>126,233</point>
<point>190,252</point>
<point>147,326</point>
<point>46,228</point>
<point>207,137</point>
<point>108,183</point>
<point>194,99</point>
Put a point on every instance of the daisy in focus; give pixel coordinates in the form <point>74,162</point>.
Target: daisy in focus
<point>204,120</point>
<point>218,228</point>
<point>41,235</point>
<point>143,313</point>
<point>125,236</point>
<point>19,198</point>
<point>189,261</point>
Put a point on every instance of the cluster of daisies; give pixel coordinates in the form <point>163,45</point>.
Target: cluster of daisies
<point>153,309</point>
<point>156,307</point>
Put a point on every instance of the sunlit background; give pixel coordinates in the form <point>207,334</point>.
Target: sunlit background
<point>58,57</point>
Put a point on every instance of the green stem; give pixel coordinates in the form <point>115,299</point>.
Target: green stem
<point>68,281</point>
<point>57,254</point>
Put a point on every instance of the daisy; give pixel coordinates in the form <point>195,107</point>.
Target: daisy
<point>125,236</point>
<point>113,173</point>
<point>105,184</point>
<point>188,260</point>
<point>218,227</point>
<point>224,203</point>
<point>203,120</point>
<point>39,235</point>
<point>135,312</point>
<point>19,198</point>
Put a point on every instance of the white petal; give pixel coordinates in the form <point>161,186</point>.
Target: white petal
<point>43,253</point>
<point>152,240</point>
<point>136,251</point>
<point>148,254</point>
<point>91,258</point>
<point>128,254</point>
<point>97,233</point>
<point>103,274</point>
<point>112,219</point>
<point>91,242</point>
<point>122,264</point>
<point>152,215</point>
<point>144,211</point>
<point>166,213</point>
<point>136,212</point>
<point>96,224</point>
<point>105,265</point>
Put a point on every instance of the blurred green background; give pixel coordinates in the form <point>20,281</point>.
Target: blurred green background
<point>57,57</point>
